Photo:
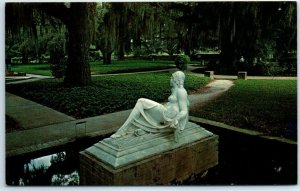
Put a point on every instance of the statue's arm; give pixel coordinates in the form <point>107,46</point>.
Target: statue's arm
<point>182,102</point>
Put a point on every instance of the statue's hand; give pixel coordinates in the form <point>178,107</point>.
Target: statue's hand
<point>174,124</point>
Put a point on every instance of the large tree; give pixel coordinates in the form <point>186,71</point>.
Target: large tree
<point>79,21</point>
<point>121,23</point>
<point>245,27</point>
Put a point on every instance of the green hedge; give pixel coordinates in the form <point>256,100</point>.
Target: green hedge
<point>182,61</point>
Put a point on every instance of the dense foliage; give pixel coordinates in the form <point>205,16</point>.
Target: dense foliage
<point>264,33</point>
<point>105,95</point>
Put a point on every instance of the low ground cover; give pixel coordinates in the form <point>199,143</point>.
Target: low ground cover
<point>268,106</point>
<point>106,94</point>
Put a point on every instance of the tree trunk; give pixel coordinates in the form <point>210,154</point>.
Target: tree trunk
<point>121,43</point>
<point>122,35</point>
<point>187,42</point>
<point>121,53</point>
<point>187,49</point>
<point>180,44</point>
<point>228,56</point>
<point>107,56</point>
<point>137,44</point>
<point>7,64</point>
<point>24,57</point>
<point>78,69</point>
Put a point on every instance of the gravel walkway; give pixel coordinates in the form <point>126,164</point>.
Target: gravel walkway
<point>209,92</point>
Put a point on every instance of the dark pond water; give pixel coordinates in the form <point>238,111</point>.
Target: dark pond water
<point>250,160</point>
<point>243,160</point>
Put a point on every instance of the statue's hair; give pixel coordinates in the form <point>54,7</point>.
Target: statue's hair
<point>179,77</point>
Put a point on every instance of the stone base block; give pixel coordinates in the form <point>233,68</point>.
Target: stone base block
<point>242,75</point>
<point>209,74</point>
<point>150,159</point>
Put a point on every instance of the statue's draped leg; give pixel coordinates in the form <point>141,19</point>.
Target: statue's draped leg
<point>139,108</point>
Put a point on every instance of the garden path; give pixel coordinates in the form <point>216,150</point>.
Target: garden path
<point>211,91</point>
<point>27,78</point>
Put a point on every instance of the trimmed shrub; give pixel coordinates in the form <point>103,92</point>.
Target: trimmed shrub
<point>182,61</point>
<point>57,63</point>
<point>269,69</point>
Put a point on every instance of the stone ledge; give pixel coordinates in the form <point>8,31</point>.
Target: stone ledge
<point>240,130</point>
<point>35,148</point>
<point>242,75</point>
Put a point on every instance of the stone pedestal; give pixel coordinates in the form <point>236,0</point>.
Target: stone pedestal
<point>149,159</point>
<point>242,75</point>
<point>209,74</point>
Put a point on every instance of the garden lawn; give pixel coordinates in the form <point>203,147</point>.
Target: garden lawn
<point>99,68</point>
<point>129,66</point>
<point>41,69</point>
<point>269,106</point>
<point>106,94</point>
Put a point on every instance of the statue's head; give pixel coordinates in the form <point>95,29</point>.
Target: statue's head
<point>178,77</point>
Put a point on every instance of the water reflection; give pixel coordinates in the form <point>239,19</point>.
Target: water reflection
<point>65,180</point>
<point>55,169</point>
<point>61,168</point>
<point>40,162</point>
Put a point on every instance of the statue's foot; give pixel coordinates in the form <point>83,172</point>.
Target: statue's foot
<point>139,132</point>
<point>117,135</point>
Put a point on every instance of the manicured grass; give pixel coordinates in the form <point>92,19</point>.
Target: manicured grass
<point>99,68</point>
<point>107,93</point>
<point>269,106</point>
<point>129,66</point>
<point>41,69</point>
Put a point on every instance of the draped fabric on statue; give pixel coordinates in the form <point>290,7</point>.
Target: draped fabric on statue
<point>147,121</point>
